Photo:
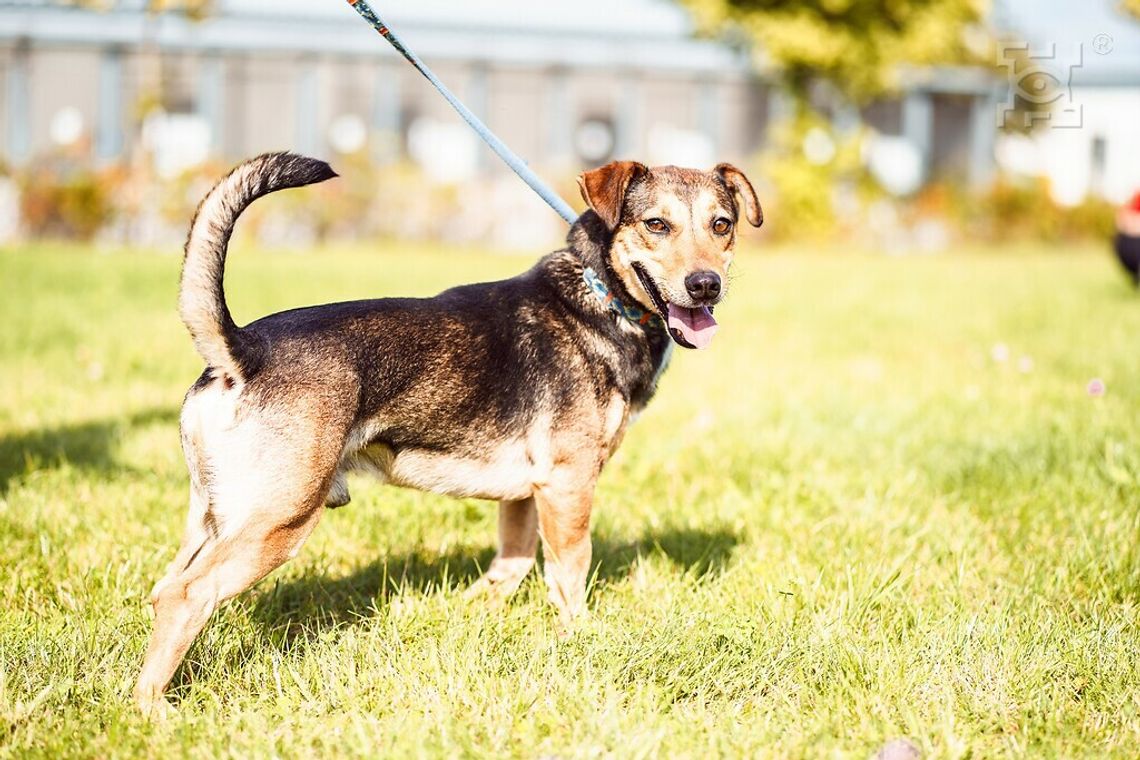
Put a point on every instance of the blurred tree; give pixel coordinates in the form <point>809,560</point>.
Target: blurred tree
<point>831,56</point>
<point>858,46</point>
<point>1131,6</point>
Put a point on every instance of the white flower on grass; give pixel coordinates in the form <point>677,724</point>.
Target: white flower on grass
<point>1000,353</point>
<point>704,421</point>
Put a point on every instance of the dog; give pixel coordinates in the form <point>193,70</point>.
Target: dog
<point>516,391</point>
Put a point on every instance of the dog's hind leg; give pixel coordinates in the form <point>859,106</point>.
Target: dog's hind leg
<point>518,541</point>
<point>194,537</point>
<point>222,568</point>
<point>259,480</point>
<point>199,522</point>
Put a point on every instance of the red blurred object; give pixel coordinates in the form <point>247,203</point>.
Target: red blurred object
<point>1127,240</point>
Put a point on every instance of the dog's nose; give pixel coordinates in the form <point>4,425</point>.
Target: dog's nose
<point>703,286</point>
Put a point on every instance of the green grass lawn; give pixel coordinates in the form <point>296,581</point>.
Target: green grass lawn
<point>848,521</point>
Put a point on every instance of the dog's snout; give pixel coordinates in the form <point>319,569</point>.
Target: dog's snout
<point>703,286</point>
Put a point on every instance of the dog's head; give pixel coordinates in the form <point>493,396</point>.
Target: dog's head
<point>673,231</point>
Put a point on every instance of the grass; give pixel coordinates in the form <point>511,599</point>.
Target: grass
<point>848,521</point>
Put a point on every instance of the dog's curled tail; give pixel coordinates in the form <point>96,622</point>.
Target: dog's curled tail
<point>201,299</point>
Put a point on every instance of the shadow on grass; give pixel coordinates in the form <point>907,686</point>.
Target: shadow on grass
<point>303,607</point>
<point>86,445</point>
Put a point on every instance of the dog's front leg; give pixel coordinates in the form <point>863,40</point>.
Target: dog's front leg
<point>564,524</point>
<point>518,541</point>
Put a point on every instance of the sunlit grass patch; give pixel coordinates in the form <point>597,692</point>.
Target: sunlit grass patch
<point>883,504</point>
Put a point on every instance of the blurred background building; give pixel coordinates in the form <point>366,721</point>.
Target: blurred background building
<point>1091,144</point>
<point>570,83</point>
<point>567,85</point>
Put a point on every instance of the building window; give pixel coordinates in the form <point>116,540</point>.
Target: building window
<point>594,140</point>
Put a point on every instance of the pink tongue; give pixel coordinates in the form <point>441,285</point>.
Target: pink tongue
<point>696,326</point>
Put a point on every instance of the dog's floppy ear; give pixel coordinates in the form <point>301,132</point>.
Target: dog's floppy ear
<point>737,182</point>
<point>604,188</point>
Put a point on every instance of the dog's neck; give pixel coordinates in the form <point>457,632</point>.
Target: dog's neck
<point>590,240</point>
<point>635,353</point>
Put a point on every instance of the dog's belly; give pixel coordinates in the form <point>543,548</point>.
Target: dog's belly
<point>502,472</point>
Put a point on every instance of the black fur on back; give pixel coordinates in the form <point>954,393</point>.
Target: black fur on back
<point>473,363</point>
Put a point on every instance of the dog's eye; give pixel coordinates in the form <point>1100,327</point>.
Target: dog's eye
<point>722,226</point>
<point>656,225</point>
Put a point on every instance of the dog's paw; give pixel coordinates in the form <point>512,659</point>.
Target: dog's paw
<point>570,624</point>
<point>569,629</point>
<point>490,591</point>
<point>481,588</point>
<point>501,580</point>
<point>154,707</point>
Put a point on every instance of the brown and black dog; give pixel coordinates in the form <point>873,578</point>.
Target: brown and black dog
<point>517,391</point>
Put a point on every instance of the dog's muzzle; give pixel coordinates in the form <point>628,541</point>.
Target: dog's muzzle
<point>689,328</point>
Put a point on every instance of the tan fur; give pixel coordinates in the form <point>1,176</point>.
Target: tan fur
<point>518,540</point>
<point>268,492</point>
<point>690,245</point>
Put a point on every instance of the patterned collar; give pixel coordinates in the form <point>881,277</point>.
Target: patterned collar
<point>634,314</point>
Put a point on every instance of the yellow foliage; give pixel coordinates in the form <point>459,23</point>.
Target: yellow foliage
<point>804,205</point>
<point>858,45</point>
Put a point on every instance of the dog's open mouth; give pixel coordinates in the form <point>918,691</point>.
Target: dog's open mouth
<point>690,328</point>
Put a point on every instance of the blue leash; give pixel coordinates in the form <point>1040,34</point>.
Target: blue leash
<point>503,152</point>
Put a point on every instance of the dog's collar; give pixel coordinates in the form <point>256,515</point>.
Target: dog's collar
<point>634,314</point>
